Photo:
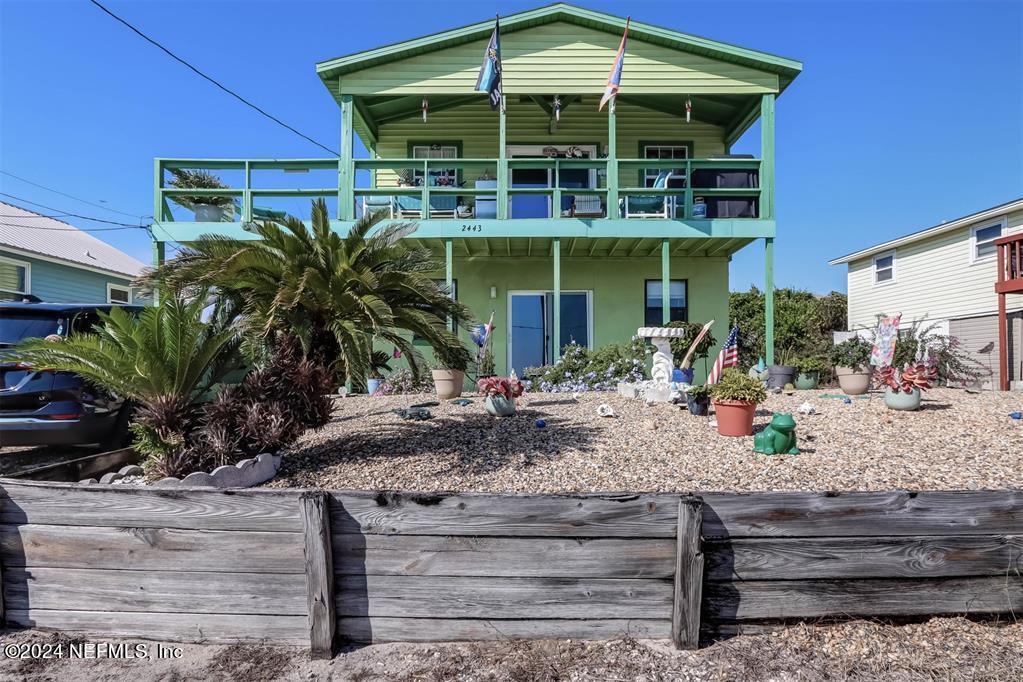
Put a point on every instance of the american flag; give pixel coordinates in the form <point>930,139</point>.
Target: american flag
<point>728,357</point>
<point>614,79</point>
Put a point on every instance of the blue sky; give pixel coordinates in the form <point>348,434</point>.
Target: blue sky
<point>906,114</point>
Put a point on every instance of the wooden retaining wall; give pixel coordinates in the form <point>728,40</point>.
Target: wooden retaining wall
<point>312,568</point>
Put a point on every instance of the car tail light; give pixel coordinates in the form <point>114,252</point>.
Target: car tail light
<point>63,417</point>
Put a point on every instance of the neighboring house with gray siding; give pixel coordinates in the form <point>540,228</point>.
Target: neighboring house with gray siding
<point>55,262</point>
<point>943,275</point>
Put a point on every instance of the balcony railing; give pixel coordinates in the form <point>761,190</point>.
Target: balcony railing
<point>1010,264</point>
<point>697,189</point>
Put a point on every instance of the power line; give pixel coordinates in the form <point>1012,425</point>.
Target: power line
<point>65,194</point>
<point>213,80</point>
<point>68,213</point>
<point>72,229</point>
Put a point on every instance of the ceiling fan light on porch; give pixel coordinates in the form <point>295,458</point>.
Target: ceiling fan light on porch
<point>426,108</point>
<point>689,108</point>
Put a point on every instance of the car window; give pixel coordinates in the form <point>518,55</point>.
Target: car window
<point>15,326</point>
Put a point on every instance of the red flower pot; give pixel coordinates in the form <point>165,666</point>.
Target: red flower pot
<point>735,417</point>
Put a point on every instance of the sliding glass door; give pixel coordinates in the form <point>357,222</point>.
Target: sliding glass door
<point>531,321</point>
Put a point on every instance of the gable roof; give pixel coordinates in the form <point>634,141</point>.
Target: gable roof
<point>32,233</point>
<point>786,69</point>
<point>947,226</point>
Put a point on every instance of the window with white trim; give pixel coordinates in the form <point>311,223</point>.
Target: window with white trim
<point>884,268</point>
<point>118,295</point>
<point>662,152</point>
<point>15,279</point>
<point>982,240</point>
<point>440,176</point>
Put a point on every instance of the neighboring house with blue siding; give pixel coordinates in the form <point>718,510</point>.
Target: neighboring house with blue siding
<point>55,262</point>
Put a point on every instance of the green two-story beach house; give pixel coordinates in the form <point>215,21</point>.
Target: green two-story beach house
<point>564,222</point>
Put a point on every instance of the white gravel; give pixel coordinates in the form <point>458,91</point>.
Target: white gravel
<point>957,440</point>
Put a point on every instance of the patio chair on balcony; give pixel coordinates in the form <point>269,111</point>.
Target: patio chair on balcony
<point>371,205</point>
<point>649,206</point>
<point>441,205</point>
<point>587,206</point>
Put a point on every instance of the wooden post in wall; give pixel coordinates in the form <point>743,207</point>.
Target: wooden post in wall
<point>685,614</point>
<point>319,572</point>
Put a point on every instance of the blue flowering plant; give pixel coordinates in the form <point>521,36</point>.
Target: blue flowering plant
<point>580,370</point>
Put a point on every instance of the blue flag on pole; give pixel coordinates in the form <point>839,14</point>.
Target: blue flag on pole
<point>489,80</point>
<point>614,79</point>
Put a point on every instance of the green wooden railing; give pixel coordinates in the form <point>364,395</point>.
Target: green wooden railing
<point>609,189</point>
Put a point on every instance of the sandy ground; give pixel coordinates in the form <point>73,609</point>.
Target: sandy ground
<point>957,440</point>
<point>941,649</point>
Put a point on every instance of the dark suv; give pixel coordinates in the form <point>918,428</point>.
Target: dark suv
<point>43,407</point>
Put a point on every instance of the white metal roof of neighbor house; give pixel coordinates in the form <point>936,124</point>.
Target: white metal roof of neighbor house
<point>994,211</point>
<point>32,233</point>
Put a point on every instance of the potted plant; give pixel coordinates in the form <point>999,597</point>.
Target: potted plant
<point>735,399</point>
<point>903,390</point>
<point>500,393</point>
<point>449,371</point>
<point>851,359</point>
<point>784,372</point>
<point>698,400</point>
<point>208,209</point>
<point>378,360</point>
<point>695,345</point>
<point>809,373</point>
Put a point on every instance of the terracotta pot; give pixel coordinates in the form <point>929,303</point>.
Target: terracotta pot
<point>735,417</point>
<point>499,406</point>
<point>448,383</point>
<point>853,381</point>
<point>897,400</point>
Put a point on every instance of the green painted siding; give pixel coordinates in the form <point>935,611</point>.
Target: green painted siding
<point>617,286</point>
<point>56,283</point>
<point>476,127</point>
<point>561,58</point>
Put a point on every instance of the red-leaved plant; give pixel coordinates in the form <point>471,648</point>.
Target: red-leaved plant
<point>914,375</point>
<point>500,386</point>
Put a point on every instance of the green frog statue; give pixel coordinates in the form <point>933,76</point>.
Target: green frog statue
<point>778,438</point>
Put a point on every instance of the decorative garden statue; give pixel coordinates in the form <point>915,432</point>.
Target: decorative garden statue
<point>779,438</point>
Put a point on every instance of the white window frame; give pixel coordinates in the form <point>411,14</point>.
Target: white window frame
<point>28,276</point>
<point>429,149</point>
<point>118,287</point>
<point>1001,224</point>
<point>873,268</point>
<point>650,174</point>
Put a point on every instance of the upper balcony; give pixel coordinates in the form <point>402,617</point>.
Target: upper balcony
<point>1010,264</point>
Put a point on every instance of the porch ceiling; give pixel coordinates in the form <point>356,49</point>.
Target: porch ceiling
<point>579,247</point>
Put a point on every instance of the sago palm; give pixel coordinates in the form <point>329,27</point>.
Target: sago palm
<point>336,293</point>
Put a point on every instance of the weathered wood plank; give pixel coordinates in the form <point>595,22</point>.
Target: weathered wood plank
<point>78,589</point>
<point>380,630</point>
<point>612,515</point>
<point>178,627</point>
<point>319,573</point>
<point>427,597</point>
<point>159,549</point>
<point>688,588</point>
<point>867,557</point>
<point>91,466</point>
<point>799,514</point>
<point>818,598</point>
<point>126,506</point>
<point>503,557</point>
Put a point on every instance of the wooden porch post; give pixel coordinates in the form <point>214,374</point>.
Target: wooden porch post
<point>767,156</point>
<point>1003,343</point>
<point>665,282</point>
<point>769,299</point>
<point>502,161</point>
<point>346,169</point>
<point>556,331</point>
<point>612,159</point>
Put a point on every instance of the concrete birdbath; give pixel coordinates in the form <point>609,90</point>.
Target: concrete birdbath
<point>660,373</point>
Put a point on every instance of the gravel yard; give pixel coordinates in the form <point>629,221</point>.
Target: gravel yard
<point>941,649</point>
<point>957,440</point>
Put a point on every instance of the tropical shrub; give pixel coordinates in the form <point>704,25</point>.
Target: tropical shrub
<point>337,294</point>
<point>183,178</point>
<point>737,385</point>
<point>580,370</point>
<point>814,365</point>
<point>853,353</point>
<point>803,323</point>
<point>952,364</point>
